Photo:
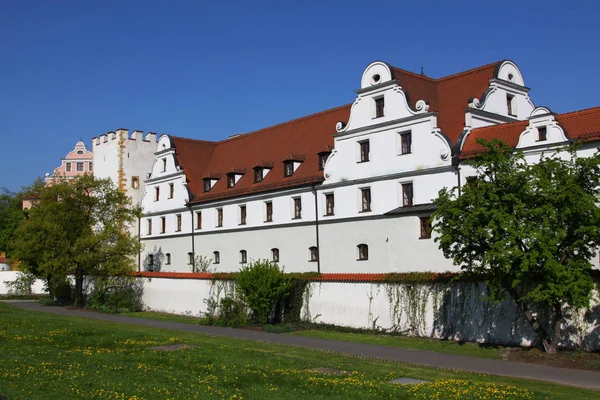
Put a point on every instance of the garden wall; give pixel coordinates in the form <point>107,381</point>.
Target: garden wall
<point>9,276</point>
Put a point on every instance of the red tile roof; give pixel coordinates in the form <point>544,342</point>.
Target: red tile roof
<point>300,138</point>
<point>3,260</point>
<point>450,95</point>
<point>579,125</point>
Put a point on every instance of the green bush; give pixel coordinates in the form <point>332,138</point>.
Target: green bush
<point>262,285</point>
<point>230,311</point>
<point>280,328</point>
<point>63,291</point>
<point>22,284</point>
<point>116,294</point>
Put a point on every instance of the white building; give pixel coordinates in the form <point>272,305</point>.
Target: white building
<point>345,190</point>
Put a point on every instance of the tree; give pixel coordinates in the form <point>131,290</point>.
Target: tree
<point>529,229</point>
<point>80,227</point>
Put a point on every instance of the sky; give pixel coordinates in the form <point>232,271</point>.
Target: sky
<point>72,70</point>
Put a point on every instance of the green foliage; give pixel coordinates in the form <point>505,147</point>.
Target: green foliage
<point>202,264</point>
<point>22,284</point>
<point>116,294</point>
<point>11,213</point>
<point>262,285</point>
<point>529,230</point>
<point>81,227</point>
<point>279,328</point>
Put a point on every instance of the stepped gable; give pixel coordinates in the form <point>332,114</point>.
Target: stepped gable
<point>301,139</point>
<point>581,125</point>
<point>450,95</point>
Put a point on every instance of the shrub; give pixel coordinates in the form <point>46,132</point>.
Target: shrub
<point>62,290</point>
<point>232,312</point>
<point>116,294</point>
<point>281,328</point>
<point>21,285</point>
<point>262,285</point>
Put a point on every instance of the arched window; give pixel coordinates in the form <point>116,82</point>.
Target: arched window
<point>314,253</point>
<point>243,257</point>
<point>363,252</point>
<point>275,254</point>
<point>216,257</point>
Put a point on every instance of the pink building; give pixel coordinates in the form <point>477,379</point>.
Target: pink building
<point>77,162</point>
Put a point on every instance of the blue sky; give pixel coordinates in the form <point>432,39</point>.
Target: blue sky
<point>73,70</point>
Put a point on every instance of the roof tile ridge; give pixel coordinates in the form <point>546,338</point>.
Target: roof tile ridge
<point>268,128</point>
<point>194,140</point>
<point>500,126</point>
<point>469,71</point>
<point>582,111</point>
<point>415,74</point>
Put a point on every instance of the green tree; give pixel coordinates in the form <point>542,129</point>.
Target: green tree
<point>79,227</point>
<point>11,215</point>
<point>529,229</point>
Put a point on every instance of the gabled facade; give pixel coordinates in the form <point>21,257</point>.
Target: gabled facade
<point>77,162</point>
<point>347,189</point>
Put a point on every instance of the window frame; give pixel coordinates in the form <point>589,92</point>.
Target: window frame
<point>542,133</point>
<point>164,165</point>
<point>243,257</point>
<point>243,214</point>
<point>364,151</point>
<point>407,187</point>
<point>379,106</point>
<point>425,227</point>
<point>275,254</point>
<point>268,211</point>
<point>258,174</point>
<point>163,224</point>
<point>405,138</point>
<point>68,167</point>
<point>365,193</point>
<point>149,226</point>
<point>313,254</point>
<point>230,180</point>
<point>510,105</point>
<point>207,185</point>
<point>297,205</point>
<point>288,168</point>
<point>168,259</point>
<point>178,223</point>
<point>216,257</point>
<point>219,223</point>
<point>156,193</point>
<point>363,252</point>
<point>190,258</point>
<point>79,167</point>
<point>329,201</point>
<point>198,219</point>
<point>323,157</point>
<point>135,182</point>
<point>171,190</point>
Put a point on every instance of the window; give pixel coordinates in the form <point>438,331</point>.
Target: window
<point>242,215</point>
<point>364,151</point>
<point>269,211</point>
<point>363,252</point>
<point>219,217</point>
<point>314,254</point>
<point>425,227</point>
<point>258,174</point>
<point>322,160</point>
<point>178,222</point>
<point>243,257</point>
<point>156,193</point>
<point>79,167</point>
<point>198,219</point>
<point>163,224</point>
<point>275,254</point>
<point>135,182</point>
<point>288,168</point>
<point>149,227</point>
<point>150,262</point>
<point>216,257</point>
<point>407,194</point>
<point>329,204</point>
<point>90,166</point>
<point>379,107</point>
<point>365,195</point>
<point>171,190</point>
<point>405,143</point>
<point>542,133</point>
<point>297,207</point>
<point>164,165</point>
<point>510,104</point>
<point>207,185</point>
<point>230,180</point>
<point>190,258</point>
<point>168,259</point>
<point>68,167</point>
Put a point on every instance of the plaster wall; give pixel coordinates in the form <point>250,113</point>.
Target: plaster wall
<point>9,276</point>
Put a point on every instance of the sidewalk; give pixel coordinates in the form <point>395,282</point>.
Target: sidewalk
<point>562,376</point>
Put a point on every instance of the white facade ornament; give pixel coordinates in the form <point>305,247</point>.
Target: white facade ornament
<point>444,154</point>
<point>475,103</point>
<point>422,106</point>
<point>340,126</point>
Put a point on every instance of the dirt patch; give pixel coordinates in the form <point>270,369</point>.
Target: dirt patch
<point>329,371</point>
<point>562,359</point>
<point>173,347</point>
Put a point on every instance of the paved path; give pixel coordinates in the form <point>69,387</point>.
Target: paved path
<point>563,376</point>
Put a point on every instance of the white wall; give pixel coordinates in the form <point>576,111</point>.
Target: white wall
<point>9,276</point>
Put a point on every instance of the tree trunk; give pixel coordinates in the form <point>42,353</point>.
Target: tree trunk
<point>78,287</point>
<point>552,345</point>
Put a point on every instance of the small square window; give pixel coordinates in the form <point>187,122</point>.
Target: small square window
<point>268,211</point>
<point>542,133</point>
<point>365,195</point>
<point>405,143</point>
<point>288,168</point>
<point>407,194</point>
<point>425,227</point>
<point>219,217</point>
<point>297,208</point>
<point>242,215</point>
<point>364,150</point>
<point>379,107</point>
<point>329,204</point>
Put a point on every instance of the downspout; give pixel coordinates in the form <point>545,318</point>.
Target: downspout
<point>317,228</point>
<point>139,233</point>
<point>192,236</point>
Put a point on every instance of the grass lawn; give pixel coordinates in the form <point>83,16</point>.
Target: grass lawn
<point>44,356</point>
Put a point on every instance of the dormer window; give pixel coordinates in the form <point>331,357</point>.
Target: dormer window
<point>288,168</point>
<point>230,180</point>
<point>207,185</point>
<point>542,133</point>
<point>258,174</point>
<point>379,107</point>
<point>322,160</point>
